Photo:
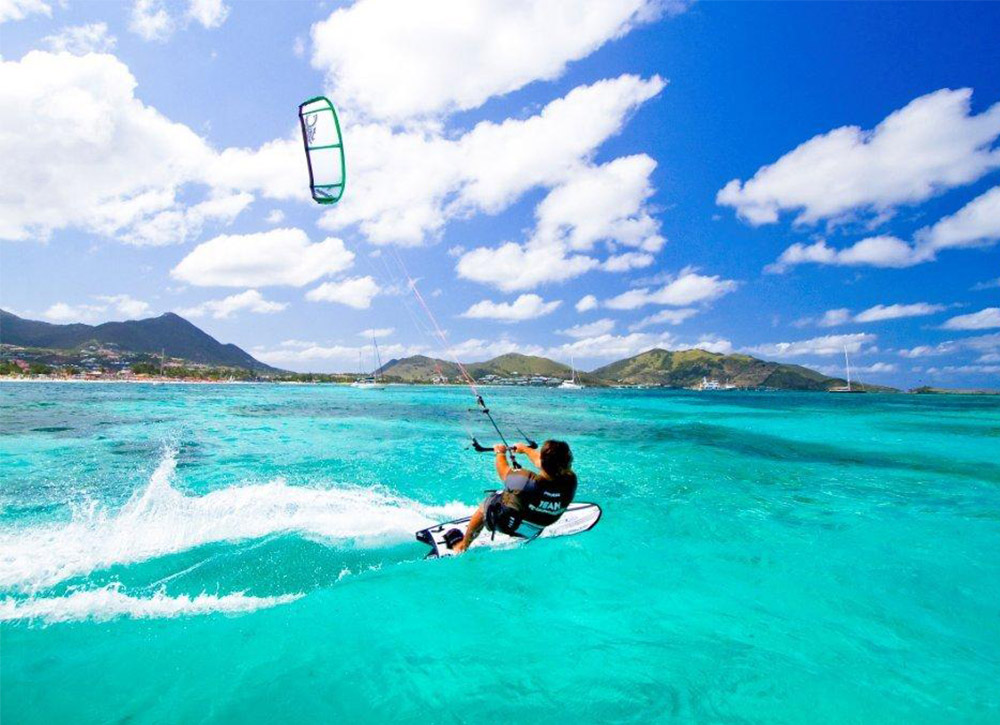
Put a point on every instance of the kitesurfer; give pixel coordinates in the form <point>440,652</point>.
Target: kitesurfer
<point>530,501</point>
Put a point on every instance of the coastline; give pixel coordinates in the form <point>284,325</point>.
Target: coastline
<point>174,381</point>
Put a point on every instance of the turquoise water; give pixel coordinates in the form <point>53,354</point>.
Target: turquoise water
<point>241,553</point>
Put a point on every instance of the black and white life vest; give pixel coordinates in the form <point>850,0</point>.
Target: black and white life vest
<point>539,502</point>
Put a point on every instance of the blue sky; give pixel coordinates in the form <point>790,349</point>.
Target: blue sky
<point>783,179</point>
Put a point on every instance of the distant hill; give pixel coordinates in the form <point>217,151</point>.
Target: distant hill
<point>931,390</point>
<point>514,363</point>
<point>419,369</point>
<point>685,368</point>
<point>167,333</point>
<point>680,369</point>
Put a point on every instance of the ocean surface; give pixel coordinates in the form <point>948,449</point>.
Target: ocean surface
<point>242,553</point>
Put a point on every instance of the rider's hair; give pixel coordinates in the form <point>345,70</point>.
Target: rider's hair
<point>557,459</point>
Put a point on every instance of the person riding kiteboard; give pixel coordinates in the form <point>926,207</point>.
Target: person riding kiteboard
<point>529,501</point>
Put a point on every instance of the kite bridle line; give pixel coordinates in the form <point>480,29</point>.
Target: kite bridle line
<point>331,194</point>
<point>482,407</point>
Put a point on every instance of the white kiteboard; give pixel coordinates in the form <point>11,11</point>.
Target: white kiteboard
<point>579,517</point>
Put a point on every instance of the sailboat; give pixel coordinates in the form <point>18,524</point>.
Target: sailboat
<point>847,388</point>
<point>373,381</point>
<point>571,384</point>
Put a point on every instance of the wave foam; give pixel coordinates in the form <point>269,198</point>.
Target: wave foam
<point>160,520</point>
<point>110,602</point>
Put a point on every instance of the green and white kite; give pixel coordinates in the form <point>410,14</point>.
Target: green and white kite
<point>324,149</point>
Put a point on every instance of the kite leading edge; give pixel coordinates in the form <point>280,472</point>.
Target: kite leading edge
<point>324,149</point>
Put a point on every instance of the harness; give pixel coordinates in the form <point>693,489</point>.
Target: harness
<point>502,518</point>
<point>542,502</point>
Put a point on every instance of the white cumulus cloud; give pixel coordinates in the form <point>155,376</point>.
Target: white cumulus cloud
<point>524,267</point>
<point>249,301</point>
<point>612,347</point>
<point>602,203</point>
<point>873,369</point>
<point>587,303</point>
<point>122,307</point>
<point>977,224</point>
<point>879,313</point>
<point>311,356</point>
<point>62,312</point>
<point>965,370</point>
<point>20,9</point>
<point>82,39</point>
<point>105,163</point>
<point>525,307</point>
<point>405,185</point>
<point>984,345</point>
<point>590,329</point>
<point>932,144</point>
<point>209,13</point>
<point>833,318</point>
<point>377,332</point>
<point>826,345</point>
<point>119,168</point>
<point>375,53</point>
<point>665,317</point>
<point>606,204</point>
<point>985,319</point>
<point>125,305</point>
<point>882,251</point>
<point>283,256</point>
<point>942,348</point>
<point>356,292</point>
<point>179,224</point>
<point>475,349</point>
<point>626,261</point>
<point>686,288</point>
<point>151,21</point>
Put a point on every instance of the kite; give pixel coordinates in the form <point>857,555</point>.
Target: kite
<point>324,149</point>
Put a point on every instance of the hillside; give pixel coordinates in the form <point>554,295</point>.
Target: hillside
<point>420,369</point>
<point>514,364</point>
<point>681,369</point>
<point>686,368</point>
<point>167,333</point>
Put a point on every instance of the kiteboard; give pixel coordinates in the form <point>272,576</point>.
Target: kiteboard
<point>579,517</point>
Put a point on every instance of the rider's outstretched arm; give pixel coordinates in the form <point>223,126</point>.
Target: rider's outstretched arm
<point>503,468</point>
<point>532,454</point>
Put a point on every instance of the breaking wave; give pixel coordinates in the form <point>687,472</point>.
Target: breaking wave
<point>161,520</point>
<point>110,602</point>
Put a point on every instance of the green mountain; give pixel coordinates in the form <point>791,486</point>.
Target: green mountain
<point>681,369</point>
<point>420,369</point>
<point>686,368</point>
<point>167,333</point>
<point>513,364</point>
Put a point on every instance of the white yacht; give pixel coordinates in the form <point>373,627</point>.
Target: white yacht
<point>847,388</point>
<point>571,384</point>
<point>373,381</point>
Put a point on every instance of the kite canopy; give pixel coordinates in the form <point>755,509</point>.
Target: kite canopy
<point>324,149</point>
